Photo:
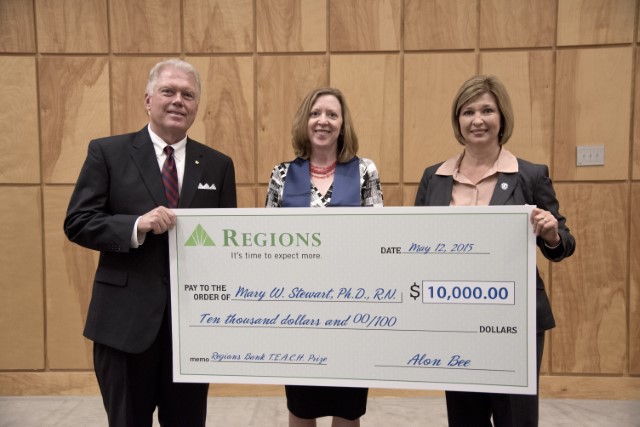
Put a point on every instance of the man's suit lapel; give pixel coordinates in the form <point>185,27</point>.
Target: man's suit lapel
<point>193,167</point>
<point>144,157</point>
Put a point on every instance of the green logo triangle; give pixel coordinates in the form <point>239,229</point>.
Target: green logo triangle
<point>199,237</point>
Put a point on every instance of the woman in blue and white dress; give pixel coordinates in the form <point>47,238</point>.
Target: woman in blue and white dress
<point>326,172</point>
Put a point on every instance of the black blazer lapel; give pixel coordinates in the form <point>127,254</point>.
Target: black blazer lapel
<point>505,187</point>
<point>144,157</point>
<point>193,166</point>
<point>441,190</point>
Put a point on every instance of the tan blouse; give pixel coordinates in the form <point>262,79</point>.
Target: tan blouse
<point>464,192</point>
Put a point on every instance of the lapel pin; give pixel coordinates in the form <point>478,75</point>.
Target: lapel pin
<point>197,162</point>
<point>504,185</point>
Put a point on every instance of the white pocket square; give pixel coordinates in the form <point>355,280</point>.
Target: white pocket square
<point>202,186</point>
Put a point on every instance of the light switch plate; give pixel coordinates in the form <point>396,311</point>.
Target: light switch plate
<point>590,155</point>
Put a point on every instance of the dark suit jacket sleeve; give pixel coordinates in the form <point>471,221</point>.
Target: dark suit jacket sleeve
<point>88,221</point>
<point>538,182</point>
<point>228,197</point>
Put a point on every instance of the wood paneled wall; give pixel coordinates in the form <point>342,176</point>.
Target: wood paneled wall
<point>73,70</point>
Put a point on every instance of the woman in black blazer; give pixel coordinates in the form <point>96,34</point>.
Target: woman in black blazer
<point>487,174</point>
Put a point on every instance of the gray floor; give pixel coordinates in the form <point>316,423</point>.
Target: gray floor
<point>271,411</point>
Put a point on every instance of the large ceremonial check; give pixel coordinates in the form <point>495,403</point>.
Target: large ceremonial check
<point>413,297</point>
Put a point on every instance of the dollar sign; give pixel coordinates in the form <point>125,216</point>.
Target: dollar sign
<point>415,291</point>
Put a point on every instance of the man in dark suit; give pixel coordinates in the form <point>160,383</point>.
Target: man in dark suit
<point>121,207</point>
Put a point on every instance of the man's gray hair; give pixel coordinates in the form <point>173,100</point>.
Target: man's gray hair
<point>173,63</point>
